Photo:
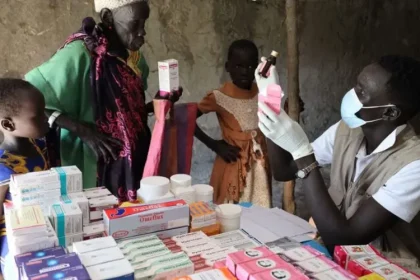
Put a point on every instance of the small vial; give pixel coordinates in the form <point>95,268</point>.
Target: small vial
<point>271,60</point>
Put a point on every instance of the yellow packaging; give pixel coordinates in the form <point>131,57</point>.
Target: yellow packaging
<point>372,276</point>
<point>201,215</point>
<point>209,230</point>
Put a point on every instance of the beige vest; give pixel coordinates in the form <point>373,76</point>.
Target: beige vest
<point>349,196</point>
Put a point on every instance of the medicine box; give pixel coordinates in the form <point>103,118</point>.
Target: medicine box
<point>220,274</point>
<point>131,221</point>
<point>73,273</point>
<point>94,244</point>
<point>25,220</point>
<point>365,265</point>
<point>343,254</point>
<point>101,256</point>
<point>66,219</point>
<point>94,230</point>
<point>315,265</point>
<point>42,266</point>
<point>299,254</point>
<point>120,269</point>
<point>98,204</point>
<point>233,260</point>
<point>168,75</point>
<point>337,273</point>
<point>96,192</point>
<point>245,270</point>
<point>68,240</point>
<point>284,272</point>
<point>81,200</point>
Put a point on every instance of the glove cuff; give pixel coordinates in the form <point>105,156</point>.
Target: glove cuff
<point>303,151</point>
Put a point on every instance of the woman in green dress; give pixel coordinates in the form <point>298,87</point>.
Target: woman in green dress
<point>94,88</point>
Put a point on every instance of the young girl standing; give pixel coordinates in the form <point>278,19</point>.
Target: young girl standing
<point>241,169</point>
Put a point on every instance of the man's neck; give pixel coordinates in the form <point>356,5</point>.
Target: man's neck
<point>376,134</point>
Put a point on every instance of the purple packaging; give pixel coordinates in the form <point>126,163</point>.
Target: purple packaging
<point>37,255</point>
<point>73,273</point>
<point>36,267</point>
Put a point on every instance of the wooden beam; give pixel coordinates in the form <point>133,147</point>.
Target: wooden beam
<point>292,88</point>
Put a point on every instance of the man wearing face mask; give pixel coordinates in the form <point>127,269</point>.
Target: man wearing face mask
<point>94,88</point>
<point>375,159</point>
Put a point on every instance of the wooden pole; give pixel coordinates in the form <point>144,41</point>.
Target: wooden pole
<point>292,88</point>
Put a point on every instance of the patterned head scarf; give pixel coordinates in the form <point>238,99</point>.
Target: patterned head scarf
<point>113,4</point>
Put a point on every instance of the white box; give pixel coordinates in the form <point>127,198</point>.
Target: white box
<point>81,200</point>
<point>66,219</point>
<point>68,179</point>
<point>168,75</point>
<point>68,240</point>
<point>101,256</point>
<point>96,192</point>
<point>117,269</point>
<point>24,221</point>
<point>94,230</point>
<point>93,245</point>
<point>97,205</point>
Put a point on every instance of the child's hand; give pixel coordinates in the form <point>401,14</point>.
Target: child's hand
<point>226,151</point>
<point>272,77</point>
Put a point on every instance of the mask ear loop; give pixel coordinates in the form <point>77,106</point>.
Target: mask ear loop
<point>384,116</point>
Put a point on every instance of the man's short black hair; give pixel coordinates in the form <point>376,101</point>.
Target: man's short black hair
<point>405,79</point>
<point>11,95</point>
<point>243,45</point>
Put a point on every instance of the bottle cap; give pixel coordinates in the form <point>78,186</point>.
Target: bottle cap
<point>274,53</point>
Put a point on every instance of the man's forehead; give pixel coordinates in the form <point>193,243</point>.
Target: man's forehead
<point>374,76</point>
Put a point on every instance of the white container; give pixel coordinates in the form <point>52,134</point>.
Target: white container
<point>203,193</point>
<point>153,188</point>
<point>180,180</point>
<point>168,75</point>
<point>229,216</point>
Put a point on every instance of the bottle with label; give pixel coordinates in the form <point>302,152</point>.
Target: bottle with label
<point>182,189</point>
<point>271,60</point>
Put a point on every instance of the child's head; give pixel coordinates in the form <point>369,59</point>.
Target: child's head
<point>21,109</point>
<point>242,62</point>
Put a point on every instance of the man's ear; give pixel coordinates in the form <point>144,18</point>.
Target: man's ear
<point>7,124</point>
<point>106,17</point>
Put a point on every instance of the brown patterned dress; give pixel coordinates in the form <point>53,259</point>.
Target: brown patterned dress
<point>248,179</point>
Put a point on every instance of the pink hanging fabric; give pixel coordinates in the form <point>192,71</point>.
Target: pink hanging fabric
<point>172,140</point>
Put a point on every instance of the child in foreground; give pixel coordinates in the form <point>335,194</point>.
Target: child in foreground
<point>22,120</point>
<point>241,168</point>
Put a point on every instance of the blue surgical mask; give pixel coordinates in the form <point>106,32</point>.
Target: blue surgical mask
<point>350,105</point>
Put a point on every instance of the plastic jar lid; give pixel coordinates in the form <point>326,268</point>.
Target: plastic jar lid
<point>203,189</point>
<point>181,180</point>
<point>228,211</point>
<point>154,186</point>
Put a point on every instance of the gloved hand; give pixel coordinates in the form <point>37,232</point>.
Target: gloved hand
<point>272,77</point>
<point>284,132</point>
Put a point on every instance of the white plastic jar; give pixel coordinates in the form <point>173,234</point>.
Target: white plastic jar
<point>182,189</point>
<point>229,216</point>
<point>204,193</point>
<point>154,189</point>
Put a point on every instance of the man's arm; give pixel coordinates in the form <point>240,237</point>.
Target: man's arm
<point>369,222</point>
<point>282,164</point>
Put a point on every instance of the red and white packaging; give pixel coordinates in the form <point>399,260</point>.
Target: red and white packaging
<point>337,273</point>
<point>234,259</point>
<point>148,218</point>
<point>389,271</point>
<point>168,75</point>
<point>99,204</point>
<point>315,265</point>
<point>300,254</point>
<point>343,254</point>
<point>365,265</point>
<point>284,273</point>
<point>245,271</point>
<point>406,276</point>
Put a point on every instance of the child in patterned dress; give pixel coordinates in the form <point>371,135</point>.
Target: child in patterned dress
<point>241,170</point>
<point>22,119</point>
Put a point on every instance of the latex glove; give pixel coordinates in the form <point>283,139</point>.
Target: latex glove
<point>284,132</point>
<point>272,77</point>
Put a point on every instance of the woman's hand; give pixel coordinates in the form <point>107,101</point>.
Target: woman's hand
<point>174,96</point>
<point>227,152</point>
<point>284,132</point>
<point>105,148</point>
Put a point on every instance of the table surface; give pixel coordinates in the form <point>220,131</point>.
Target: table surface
<point>311,243</point>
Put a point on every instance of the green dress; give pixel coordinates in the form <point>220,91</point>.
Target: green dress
<point>65,83</point>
